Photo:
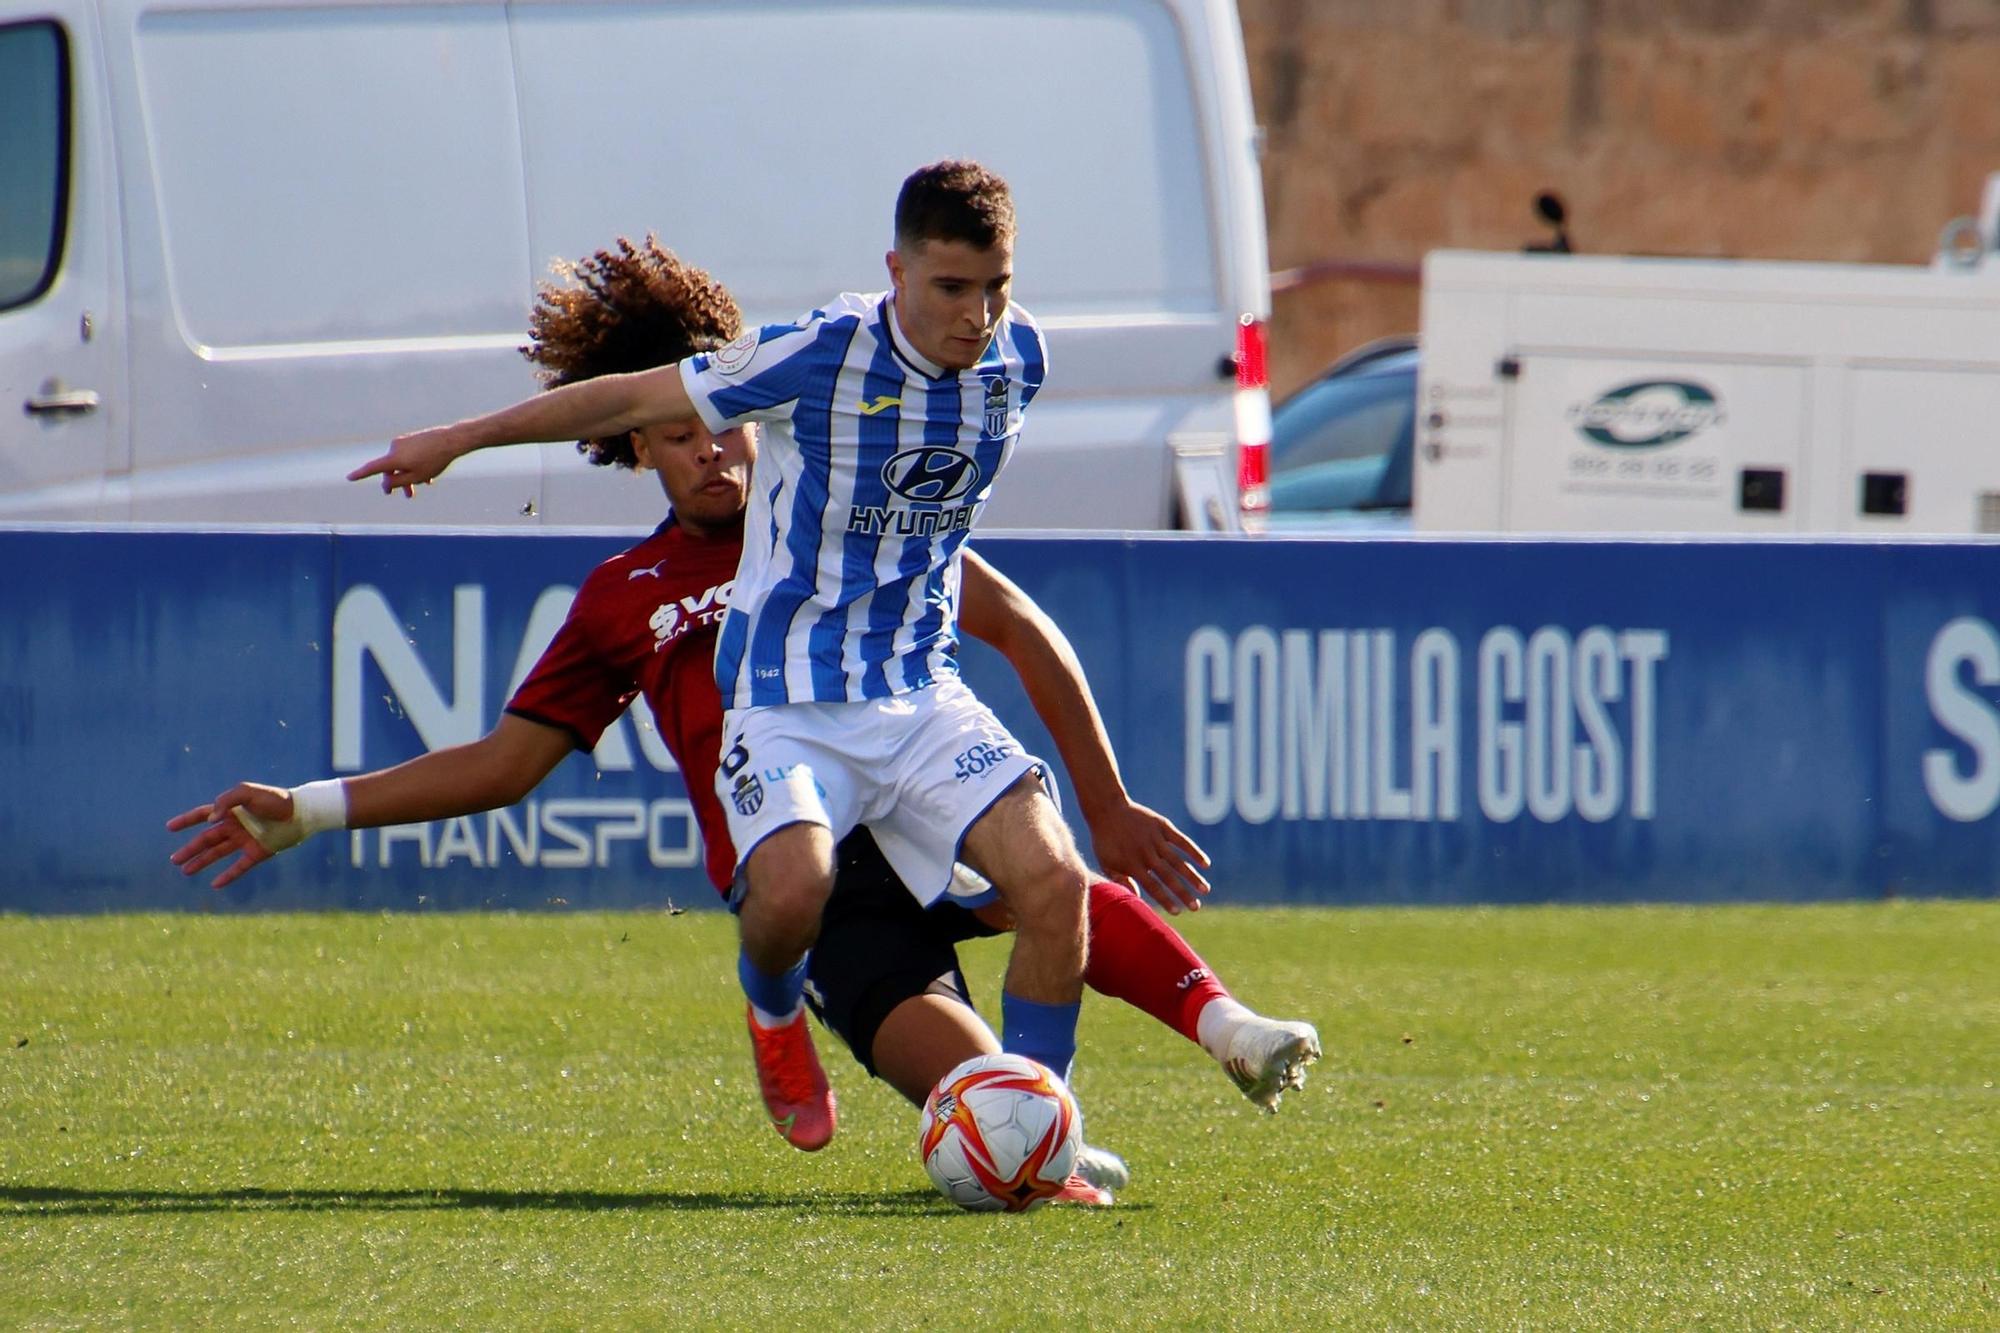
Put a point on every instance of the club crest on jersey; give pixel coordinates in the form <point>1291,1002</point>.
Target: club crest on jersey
<point>930,473</point>
<point>731,359</point>
<point>996,404</point>
<point>748,794</point>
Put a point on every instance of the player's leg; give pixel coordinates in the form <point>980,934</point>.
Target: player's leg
<point>1137,957</point>
<point>786,880</point>
<point>789,878</point>
<point>965,789</point>
<point>1022,846</point>
<point>927,1036</point>
<point>885,978</point>
<point>784,794</point>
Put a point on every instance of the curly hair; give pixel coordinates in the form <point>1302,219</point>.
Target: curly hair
<point>628,308</point>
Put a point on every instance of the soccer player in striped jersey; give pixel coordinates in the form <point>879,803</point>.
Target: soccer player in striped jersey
<point>887,421</point>
<point>885,975</point>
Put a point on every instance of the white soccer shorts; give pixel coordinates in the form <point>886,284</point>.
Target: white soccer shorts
<point>918,769</point>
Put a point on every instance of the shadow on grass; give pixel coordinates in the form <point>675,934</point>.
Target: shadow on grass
<point>30,1200</point>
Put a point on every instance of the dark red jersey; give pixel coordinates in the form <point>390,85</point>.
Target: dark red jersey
<point>645,622</point>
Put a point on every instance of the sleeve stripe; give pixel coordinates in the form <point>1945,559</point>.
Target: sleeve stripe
<point>575,736</point>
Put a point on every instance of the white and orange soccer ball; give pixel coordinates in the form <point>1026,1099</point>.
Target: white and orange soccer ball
<point>1000,1133</point>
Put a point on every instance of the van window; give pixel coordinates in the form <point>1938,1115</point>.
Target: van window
<point>337,175</point>
<point>766,140</point>
<point>34,158</point>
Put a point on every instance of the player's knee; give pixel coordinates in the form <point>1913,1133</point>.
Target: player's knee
<point>793,895</point>
<point>791,876</point>
<point>1048,898</point>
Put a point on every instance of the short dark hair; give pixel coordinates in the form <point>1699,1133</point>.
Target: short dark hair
<point>631,307</point>
<point>954,200</point>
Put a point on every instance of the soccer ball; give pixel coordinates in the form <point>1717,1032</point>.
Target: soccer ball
<point>1000,1133</point>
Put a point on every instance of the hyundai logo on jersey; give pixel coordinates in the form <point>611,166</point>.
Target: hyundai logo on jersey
<point>930,474</point>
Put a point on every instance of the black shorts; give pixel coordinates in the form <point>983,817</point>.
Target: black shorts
<point>877,947</point>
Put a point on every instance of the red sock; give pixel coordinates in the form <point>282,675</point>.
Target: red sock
<point>1135,956</point>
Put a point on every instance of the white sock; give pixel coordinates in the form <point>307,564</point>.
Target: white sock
<point>767,1020</point>
<point>1217,1023</point>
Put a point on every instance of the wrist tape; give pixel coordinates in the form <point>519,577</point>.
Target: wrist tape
<point>316,807</point>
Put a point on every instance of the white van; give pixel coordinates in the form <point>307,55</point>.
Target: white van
<point>1564,393</point>
<point>243,242</point>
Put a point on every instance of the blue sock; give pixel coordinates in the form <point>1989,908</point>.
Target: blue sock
<point>775,998</point>
<point>1044,1032</point>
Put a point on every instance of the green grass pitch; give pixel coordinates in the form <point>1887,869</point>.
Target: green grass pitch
<point>1749,1117</point>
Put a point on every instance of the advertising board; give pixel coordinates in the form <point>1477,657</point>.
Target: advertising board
<point>1404,721</point>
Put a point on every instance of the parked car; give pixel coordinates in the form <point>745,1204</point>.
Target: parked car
<point>1340,446</point>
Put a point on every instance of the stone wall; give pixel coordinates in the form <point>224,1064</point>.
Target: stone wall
<point>1804,129</point>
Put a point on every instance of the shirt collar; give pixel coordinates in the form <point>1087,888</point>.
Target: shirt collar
<point>905,350</point>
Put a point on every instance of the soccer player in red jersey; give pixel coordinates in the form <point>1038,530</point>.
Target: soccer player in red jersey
<point>884,973</point>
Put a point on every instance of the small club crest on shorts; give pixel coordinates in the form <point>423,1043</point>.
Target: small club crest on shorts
<point>748,794</point>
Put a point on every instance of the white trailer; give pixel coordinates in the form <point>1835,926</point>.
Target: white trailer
<point>1595,394</point>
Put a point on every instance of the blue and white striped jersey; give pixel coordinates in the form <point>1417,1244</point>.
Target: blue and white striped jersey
<point>873,466</point>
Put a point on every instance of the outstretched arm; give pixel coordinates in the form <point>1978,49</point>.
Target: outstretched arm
<point>590,409</point>
<point>255,822</point>
<point>1134,843</point>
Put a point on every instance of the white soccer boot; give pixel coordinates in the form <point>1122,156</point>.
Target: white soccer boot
<point>1102,1167</point>
<point>1266,1056</point>
<point>1098,1166</point>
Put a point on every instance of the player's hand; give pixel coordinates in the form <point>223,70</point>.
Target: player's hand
<point>1141,847</point>
<point>249,821</point>
<point>413,460</point>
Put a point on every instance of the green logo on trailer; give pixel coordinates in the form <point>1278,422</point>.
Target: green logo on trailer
<point>1646,414</point>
